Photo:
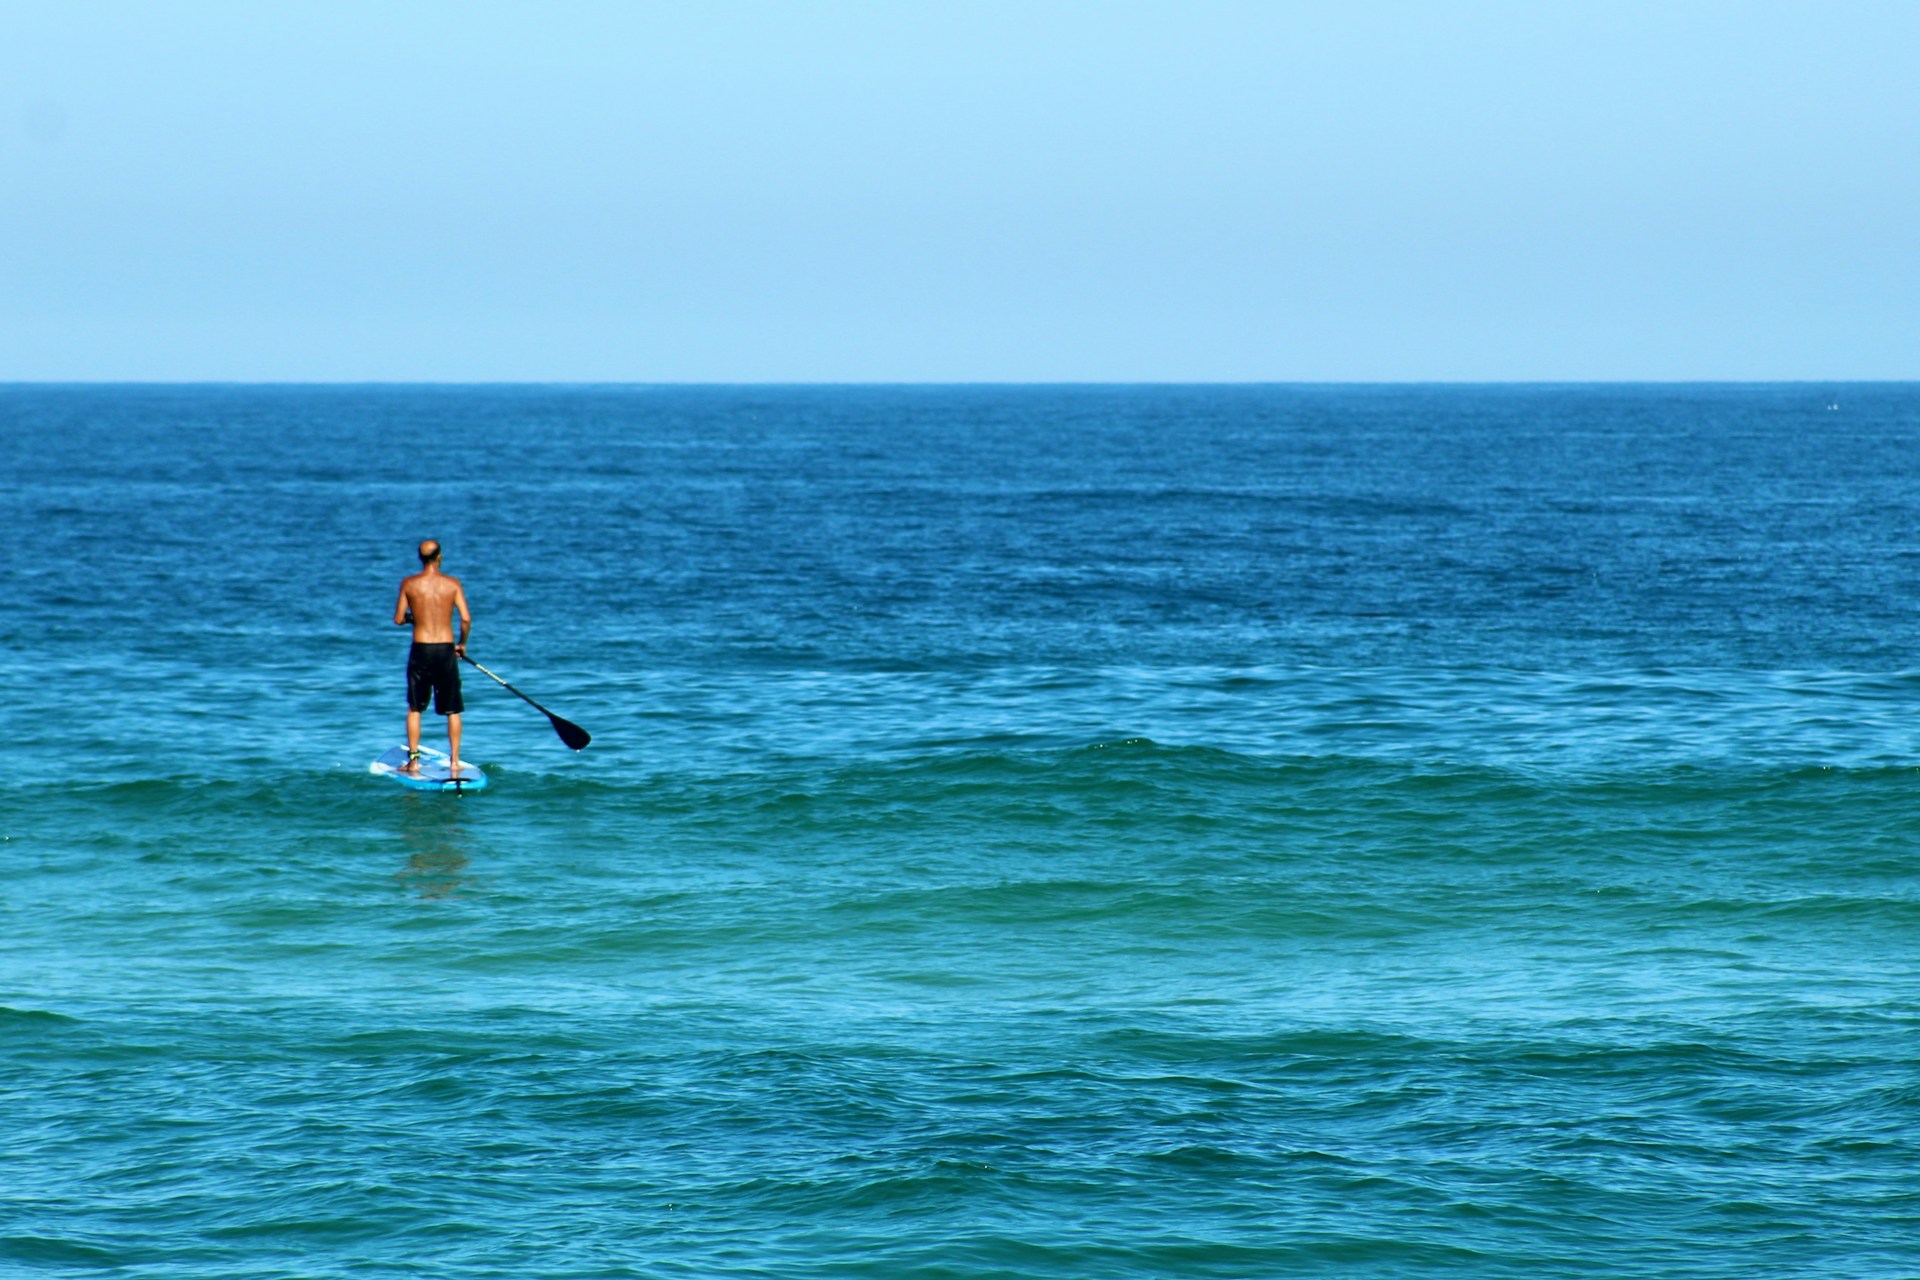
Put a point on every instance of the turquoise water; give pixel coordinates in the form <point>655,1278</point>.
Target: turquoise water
<point>1029,832</point>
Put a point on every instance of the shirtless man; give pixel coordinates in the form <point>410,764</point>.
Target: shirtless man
<point>428,601</point>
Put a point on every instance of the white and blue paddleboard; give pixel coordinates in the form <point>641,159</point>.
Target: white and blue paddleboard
<point>433,775</point>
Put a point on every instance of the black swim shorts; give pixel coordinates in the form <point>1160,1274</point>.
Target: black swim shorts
<point>434,669</point>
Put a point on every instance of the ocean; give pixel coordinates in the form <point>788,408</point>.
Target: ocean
<point>1082,831</point>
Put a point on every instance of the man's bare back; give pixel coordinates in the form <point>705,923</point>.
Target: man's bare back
<point>428,600</point>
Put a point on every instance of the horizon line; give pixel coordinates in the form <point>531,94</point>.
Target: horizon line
<point>961,382</point>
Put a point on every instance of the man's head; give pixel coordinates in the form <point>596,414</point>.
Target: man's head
<point>429,552</point>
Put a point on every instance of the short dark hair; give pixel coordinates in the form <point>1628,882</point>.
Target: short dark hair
<point>429,551</point>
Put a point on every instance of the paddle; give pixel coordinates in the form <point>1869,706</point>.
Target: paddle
<point>570,733</point>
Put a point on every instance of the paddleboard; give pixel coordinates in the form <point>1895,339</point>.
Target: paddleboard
<point>433,775</point>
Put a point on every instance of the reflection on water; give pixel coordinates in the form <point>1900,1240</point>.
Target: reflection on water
<point>435,837</point>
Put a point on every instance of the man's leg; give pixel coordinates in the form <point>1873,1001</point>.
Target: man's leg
<point>413,741</point>
<point>453,744</point>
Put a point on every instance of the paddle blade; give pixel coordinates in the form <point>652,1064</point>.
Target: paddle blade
<point>570,733</point>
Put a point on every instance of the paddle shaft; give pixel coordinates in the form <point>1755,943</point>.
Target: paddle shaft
<point>570,733</point>
<point>509,688</point>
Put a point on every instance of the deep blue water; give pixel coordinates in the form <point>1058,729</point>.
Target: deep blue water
<point>1029,832</point>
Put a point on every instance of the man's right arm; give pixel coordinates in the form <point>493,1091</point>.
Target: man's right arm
<point>466,619</point>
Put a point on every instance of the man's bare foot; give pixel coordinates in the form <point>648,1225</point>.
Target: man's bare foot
<point>412,765</point>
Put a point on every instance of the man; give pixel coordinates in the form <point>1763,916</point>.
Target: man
<point>428,601</point>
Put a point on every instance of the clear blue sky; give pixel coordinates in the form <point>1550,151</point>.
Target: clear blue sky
<point>956,191</point>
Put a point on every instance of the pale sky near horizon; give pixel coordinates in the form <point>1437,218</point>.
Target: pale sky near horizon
<point>1049,190</point>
